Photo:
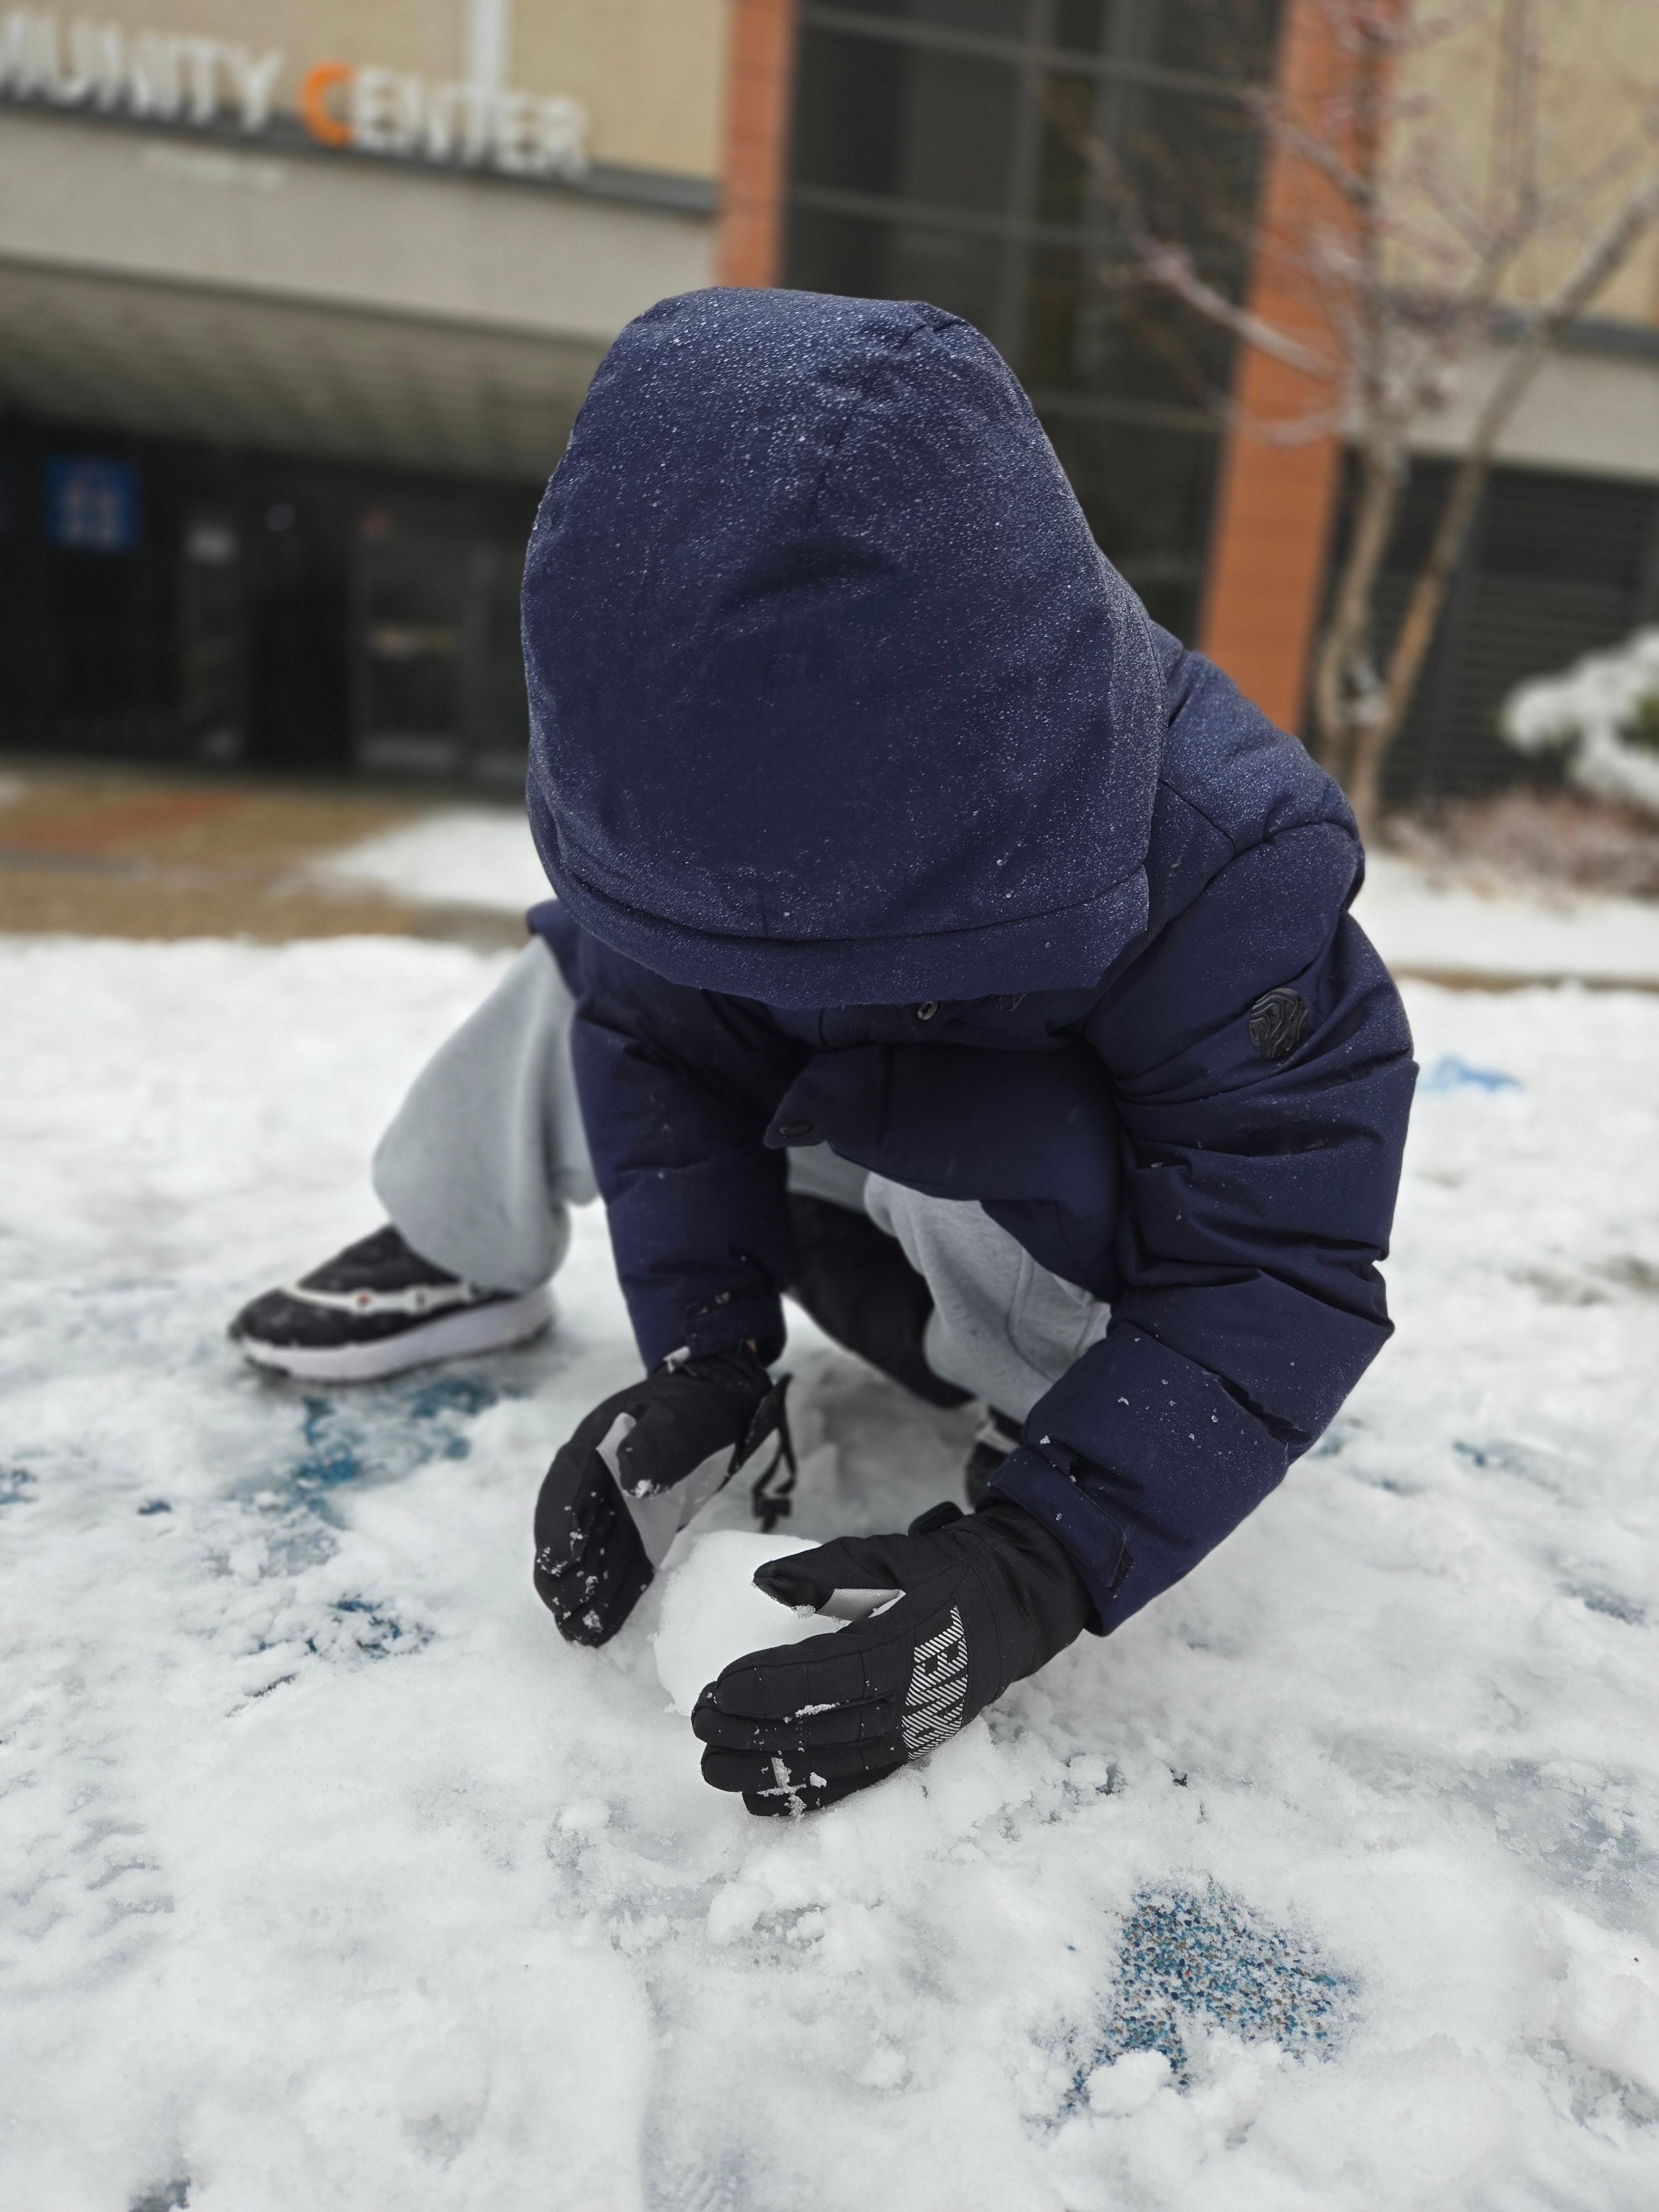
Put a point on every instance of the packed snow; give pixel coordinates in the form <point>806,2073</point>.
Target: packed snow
<point>712,1613</point>
<point>1422,925</point>
<point>333,1878</point>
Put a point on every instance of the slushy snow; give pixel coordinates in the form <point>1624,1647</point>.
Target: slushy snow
<point>334,1879</point>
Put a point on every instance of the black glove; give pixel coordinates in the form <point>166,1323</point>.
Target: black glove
<point>637,1469</point>
<point>944,1620</point>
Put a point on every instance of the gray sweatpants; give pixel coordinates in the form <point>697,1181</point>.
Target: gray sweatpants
<point>488,1153</point>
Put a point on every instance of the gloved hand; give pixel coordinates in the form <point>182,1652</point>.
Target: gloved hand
<point>944,1620</point>
<point>637,1469</point>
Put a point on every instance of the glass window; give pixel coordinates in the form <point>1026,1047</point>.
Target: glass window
<point>1231,39</point>
<point>1188,164</point>
<point>849,113</point>
<point>995,19</point>
<point>1196,163</point>
<point>1036,254</point>
<point>907,123</point>
<point>1064,189</point>
<point>1078,23</point>
<point>876,260</point>
<point>1144,490</point>
<point>1082,334</point>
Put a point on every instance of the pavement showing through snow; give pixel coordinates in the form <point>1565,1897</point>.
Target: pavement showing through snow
<point>332,1878</point>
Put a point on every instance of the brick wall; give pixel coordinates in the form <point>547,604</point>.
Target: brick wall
<point>1273,505</point>
<point>760,37</point>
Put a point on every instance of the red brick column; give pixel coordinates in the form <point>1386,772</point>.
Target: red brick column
<point>1267,548</point>
<point>760,51</point>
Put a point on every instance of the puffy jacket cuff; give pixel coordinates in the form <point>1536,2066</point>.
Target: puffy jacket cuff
<point>1160,1446</point>
<point>1093,1540</point>
<point>733,1317</point>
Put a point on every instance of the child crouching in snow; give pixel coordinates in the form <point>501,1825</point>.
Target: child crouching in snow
<point>938,939</point>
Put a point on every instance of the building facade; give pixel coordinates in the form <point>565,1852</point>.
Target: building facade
<point>300,304</point>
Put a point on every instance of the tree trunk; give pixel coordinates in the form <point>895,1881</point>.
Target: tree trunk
<point>1363,780</point>
<point>1343,676</point>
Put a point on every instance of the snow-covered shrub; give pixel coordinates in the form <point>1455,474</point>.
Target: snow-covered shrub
<point>1604,713</point>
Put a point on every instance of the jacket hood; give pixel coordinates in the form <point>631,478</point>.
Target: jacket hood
<point>833,698</point>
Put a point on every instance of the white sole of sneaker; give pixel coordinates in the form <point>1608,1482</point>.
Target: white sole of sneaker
<point>452,1336</point>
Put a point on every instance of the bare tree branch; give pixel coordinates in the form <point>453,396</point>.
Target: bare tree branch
<point>1514,380</point>
<point>1172,267</point>
<point>1399,267</point>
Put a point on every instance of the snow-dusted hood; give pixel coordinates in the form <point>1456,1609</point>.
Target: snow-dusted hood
<point>833,698</point>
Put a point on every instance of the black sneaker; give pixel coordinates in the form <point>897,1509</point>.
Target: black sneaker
<point>376,1309</point>
<point>998,1435</point>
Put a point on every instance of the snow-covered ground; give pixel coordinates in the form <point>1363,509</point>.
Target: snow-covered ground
<point>1418,923</point>
<point>459,856</point>
<point>333,1879</point>
<point>482,856</point>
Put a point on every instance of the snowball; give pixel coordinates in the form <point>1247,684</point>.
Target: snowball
<point>712,1613</point>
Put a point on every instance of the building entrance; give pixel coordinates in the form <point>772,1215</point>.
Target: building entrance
<point>438,675</point>
<point>187,604</point>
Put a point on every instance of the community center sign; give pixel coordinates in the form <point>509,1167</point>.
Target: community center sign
<point>179,79</point>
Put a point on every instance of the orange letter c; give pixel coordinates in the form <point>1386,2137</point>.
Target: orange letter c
<point>315,111</point>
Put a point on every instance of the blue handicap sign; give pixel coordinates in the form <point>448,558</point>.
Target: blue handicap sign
<point>92,504</point>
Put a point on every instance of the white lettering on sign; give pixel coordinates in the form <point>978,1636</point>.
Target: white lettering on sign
<point>253,79</point>
<point>457,122</point>
<point>170,78</point>
<point>382,111</point>
<point>150,74</point>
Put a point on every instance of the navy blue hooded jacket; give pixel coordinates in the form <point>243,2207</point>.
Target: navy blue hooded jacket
<point>880,814</point>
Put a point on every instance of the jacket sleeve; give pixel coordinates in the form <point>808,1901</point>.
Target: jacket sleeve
<point>1258,1196</point>
<point>677,1087</point>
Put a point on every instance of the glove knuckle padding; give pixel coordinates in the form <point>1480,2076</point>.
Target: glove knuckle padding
<point>985,1600</point>
<point>849,1563</point>
<point>668,1439</point>
<point>843,1720</point>
<point>801,1769</point>
<point>776,1801</point>
<point>782,1683</point>
<point>633,1474</point>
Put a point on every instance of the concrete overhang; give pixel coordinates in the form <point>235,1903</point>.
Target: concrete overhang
<point>1593,410</point>
<point>376,312</point>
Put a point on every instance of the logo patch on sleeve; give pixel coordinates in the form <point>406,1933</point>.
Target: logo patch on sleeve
<point>1279,1021</point>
